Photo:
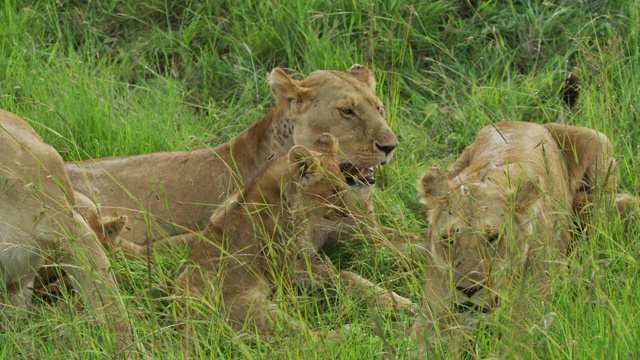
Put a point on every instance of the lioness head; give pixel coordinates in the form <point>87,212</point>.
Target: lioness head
<point>344,105</point>
<point>479,232</point>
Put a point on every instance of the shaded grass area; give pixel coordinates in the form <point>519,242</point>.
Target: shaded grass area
<point>106,78</point>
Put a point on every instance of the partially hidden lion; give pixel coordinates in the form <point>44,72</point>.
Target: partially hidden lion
<point>500,218</point>
<point>173,193</point>
<point>38,223</point>
<point>107,230</point>
<point>265,236</point>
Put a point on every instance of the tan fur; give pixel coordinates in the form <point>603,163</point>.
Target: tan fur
<point>266,236</point>
<point>37,221</point>
<point>107,230</point>
<point>501,214</point>
<point>171,193</point>
<point>593,173</point>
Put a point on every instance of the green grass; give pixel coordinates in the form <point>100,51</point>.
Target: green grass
<point>107,78</point>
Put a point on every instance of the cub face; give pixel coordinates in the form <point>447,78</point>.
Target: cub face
<point>476,231</point>
<point>322,190</point>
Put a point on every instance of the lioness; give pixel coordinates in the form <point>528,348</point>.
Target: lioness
<point>38,222</point>
<point>171,193</point>
<point>500,216</point>
<point>265,236</point>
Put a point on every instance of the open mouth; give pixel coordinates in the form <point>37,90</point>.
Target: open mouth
<point>357,176</point>
<point>469,291</point>
<point>469,306</point>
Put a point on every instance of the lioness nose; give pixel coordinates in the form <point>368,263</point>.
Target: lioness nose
<point>387,149</point>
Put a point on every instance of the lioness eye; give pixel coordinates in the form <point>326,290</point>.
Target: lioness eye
<point>347,112</point>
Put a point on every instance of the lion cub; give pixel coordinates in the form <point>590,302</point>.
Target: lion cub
<point>264,236</point>
<point>499,218</point>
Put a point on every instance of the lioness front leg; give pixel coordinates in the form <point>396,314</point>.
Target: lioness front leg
<point>251,310</point>
<point>361,225</point>
<point>186,238</point>
<point>384,299</point>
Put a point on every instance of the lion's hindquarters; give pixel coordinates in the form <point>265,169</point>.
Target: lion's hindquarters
<point>588,155</point>
<point>41,224</point>
<point>593,172</point>
<point>60,233</point>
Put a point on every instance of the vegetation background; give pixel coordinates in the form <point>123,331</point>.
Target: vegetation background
<point>101,78</point>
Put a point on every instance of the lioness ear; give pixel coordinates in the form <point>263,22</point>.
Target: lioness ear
<point>327,144</point>
<point>363,74</point>
<point>434,187</point>
<point>112,227</point>
<point>301,161</point>
<point>286,91</point>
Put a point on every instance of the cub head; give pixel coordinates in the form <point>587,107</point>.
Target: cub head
<point>342,104</point>
<point>321,188</point>
<point>107,228</point>
<point>478,232</point>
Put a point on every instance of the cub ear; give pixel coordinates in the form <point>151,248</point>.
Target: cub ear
<point>286,91</point>
<point>434,187</point>
<point>363,74</point>
<point>301,162</point>
<point>112,227</point>
<point>327,144</point>
<point>526,194</point>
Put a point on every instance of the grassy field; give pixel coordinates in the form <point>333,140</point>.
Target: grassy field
<point>102,78</point>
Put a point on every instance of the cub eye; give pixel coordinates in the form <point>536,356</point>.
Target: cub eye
<point>492,239</point>
<point>347,112</point>
<point>448,240</point>
<point>334,195</point>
